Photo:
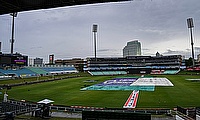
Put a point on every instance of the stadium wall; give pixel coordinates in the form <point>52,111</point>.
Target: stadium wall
<point>139,71</point>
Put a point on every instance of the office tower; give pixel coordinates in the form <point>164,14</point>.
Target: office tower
<point>133,48</point>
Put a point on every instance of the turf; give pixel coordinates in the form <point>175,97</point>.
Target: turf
<point>184,93</point>
<point>67,92</point>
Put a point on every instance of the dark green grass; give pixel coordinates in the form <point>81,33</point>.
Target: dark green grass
<point>67,92</point>
<point>184,93</point>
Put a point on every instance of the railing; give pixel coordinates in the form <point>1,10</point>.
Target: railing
<point>21,107</point>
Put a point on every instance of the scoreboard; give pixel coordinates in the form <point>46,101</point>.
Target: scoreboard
<point>13,60</point>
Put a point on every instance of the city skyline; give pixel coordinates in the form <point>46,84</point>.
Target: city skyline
<point>66,32</point>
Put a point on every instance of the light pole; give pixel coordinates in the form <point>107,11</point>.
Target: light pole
<point>94,30</point>
<point>14,14</point>
<point>190,26</point>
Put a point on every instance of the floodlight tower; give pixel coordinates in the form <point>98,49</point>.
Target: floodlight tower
<point>94,30</point>
<point>14,14</point>
<point>190,26</point>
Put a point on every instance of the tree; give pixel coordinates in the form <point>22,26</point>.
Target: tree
<point>188,62</point>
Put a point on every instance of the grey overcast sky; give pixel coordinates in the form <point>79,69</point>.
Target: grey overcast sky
<point>160,26</point>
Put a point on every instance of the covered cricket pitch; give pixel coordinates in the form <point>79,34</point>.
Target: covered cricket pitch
<point>68,92</point>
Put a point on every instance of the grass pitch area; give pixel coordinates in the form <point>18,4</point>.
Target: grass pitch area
<point>67,92</point>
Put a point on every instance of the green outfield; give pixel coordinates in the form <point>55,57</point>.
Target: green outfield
<point>185,93</point>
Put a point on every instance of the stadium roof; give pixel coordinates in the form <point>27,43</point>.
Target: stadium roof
<point>11,6</point>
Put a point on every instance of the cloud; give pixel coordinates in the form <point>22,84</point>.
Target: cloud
<point>186,53</point>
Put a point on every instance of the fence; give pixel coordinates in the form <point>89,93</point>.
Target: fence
<point>21,107</point>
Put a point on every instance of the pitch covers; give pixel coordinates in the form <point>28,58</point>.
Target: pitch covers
<point>132,100</point>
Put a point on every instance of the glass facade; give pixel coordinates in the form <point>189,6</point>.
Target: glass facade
<point>132,48</point>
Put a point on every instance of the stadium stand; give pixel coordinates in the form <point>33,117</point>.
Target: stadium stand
<point>157,71</point>
<point>95,73</point>
<point>68,69</point>
<point>135,65</point>
<point>34,71</point>
<point>107,72</point>
<point>164,71</point>
<point>4,77</point>
<point>1,74</point>
<point>37,70</point>
<point>24,72</point>
<point>171,71</point>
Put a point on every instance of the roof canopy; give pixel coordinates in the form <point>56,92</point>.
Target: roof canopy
<point>11,6</point>
<point>45,101</point>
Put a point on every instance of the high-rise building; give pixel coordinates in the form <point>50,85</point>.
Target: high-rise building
<point>38,61</point>
<point>30,62</point>
<point>51,59</point>
<point>133,48</point>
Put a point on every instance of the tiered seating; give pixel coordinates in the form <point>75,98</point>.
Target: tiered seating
<point>4,77</point>
<point>122,72</point>
<point>157,71</point>
<point>164,71</point>
<point>171,71</point>
<point>24,72</point>
<point>34,71</point>
<point>96,73</point>
<point>108,72</point>
<point>1,74</point>
<point>59,69</point>
<point>37,70</point>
